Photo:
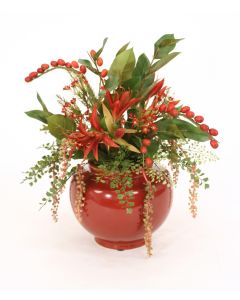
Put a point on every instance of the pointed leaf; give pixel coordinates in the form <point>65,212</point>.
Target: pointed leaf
<point>39,115</point>
<point>108,118</point>
<point>142,66</point>
<point>44,107</point>
<point>165,45</point>
<point>123,65</point>
<point>122,142</point>
<point>129,130</point>
<point>177,128</point>
<point>163,61</point>
<point>112,83</point>
<point>101,49</point>
<point>123,48</point>
<point>59,126</point>
<point>85,62</point>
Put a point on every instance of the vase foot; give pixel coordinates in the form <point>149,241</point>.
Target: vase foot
<point>120,245</point>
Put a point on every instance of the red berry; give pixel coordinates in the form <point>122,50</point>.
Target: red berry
<point>214,144</point>
<point>33,75</point>
<point>83,69</point>
<point>190,114</point>
<point>134,122</point>
<point>146,142</point>
<point>61,62</point>
<point>199,119</point>
<point>92,53</point>
<point>40,70</point>
<point>145,130</point>
<point>104,73</point>
<point>44,66</point>
<point>73,101</point>
<point>28,79</point>
<point>154,128</point>
<point>143,149</point>
<point>185,109</point>
<point>148,162</point>
<point>174,113</point>
<point>171,106</point>
<point>204,127</point>
<point>75,64</point>
<point>213,132</point>
<point>68,65</point>
<point>119,132</point>
<point>162,107</point>
<point>54,63</point>
<point>99,61</point>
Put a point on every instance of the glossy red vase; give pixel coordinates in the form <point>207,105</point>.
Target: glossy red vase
<point>105,218</point>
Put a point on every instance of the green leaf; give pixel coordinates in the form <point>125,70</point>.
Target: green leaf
<point>101,49</point>
<point>177,128</point>
<point>163,61</point>
<point>59,125</point>
<point>132,83</point>
<point>129,210</point>
<point>130,147</point>
<point>165,45</point>
<point>44,107</point>
<point>85,62</point>
<point>112,83</point>
<point>88,64</point>
<point>39,115</point>
<point>123,65</point>
<point>142,66</point>
<point>108,118</point>
<point>123,48</point>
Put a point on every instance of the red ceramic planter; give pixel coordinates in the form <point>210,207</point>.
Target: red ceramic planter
<point>108,221</point>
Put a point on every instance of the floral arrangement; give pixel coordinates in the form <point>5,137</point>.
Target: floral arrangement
<point>128,124</point>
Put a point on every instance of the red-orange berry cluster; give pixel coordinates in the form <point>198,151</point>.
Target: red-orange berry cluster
<point>99,62</point>
<point>199,119</point>
<point>54,64</point>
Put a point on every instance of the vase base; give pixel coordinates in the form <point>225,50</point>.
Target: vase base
<point>120,245</point>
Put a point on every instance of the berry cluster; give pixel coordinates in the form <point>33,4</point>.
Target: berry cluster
<point>199,119</point>
<point>60,63</point>
<point>99,62</point>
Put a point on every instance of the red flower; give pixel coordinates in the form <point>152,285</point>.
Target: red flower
<point>89,140</point>
<point>120,103</point>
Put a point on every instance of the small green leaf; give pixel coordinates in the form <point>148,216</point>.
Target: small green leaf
<point>123,48</point>
<point>165,45</point>
<point>44,107</point>
<point>38,115</point>
<point>101,49</point>
<point>85,62</point>
<point>59,125</point>
<point>123,65</point>
<point>129,210</point>
<point>88,64</point>
<point>163,61</point>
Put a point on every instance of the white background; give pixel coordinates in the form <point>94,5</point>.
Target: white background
<point>200,253</point>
